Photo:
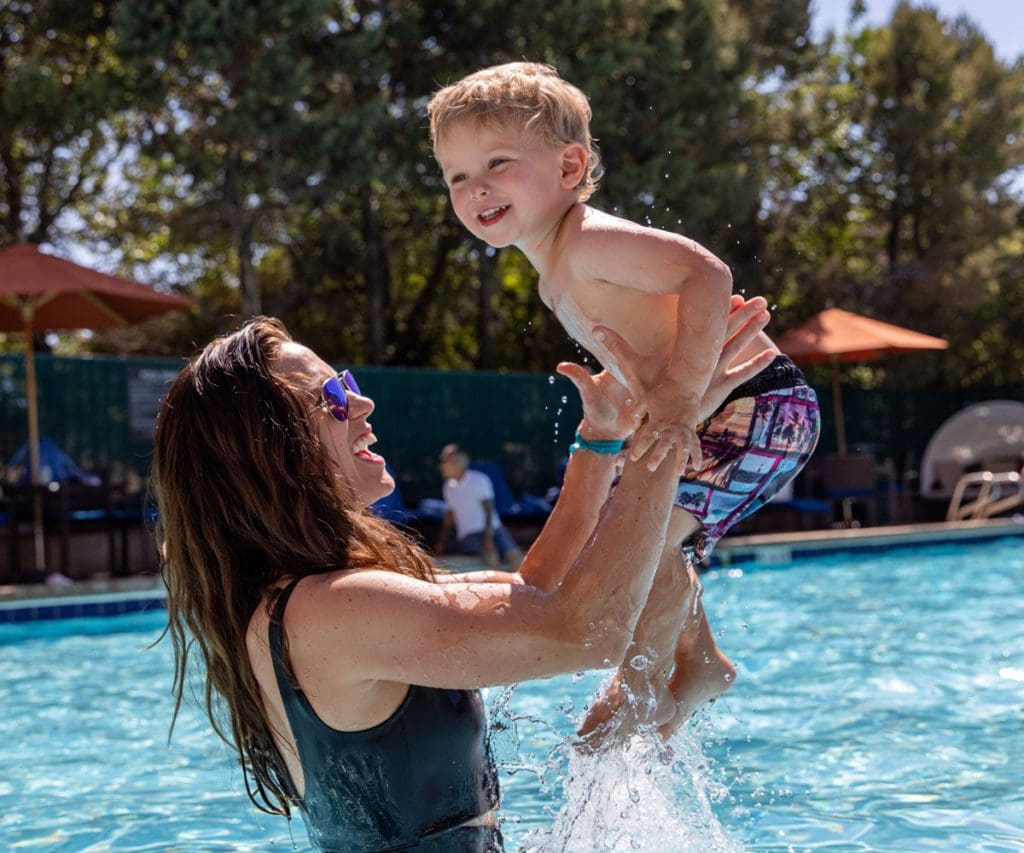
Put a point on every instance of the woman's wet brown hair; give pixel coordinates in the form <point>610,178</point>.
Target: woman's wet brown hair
<point>245,499</point>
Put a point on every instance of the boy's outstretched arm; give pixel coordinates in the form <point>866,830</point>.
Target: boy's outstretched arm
<point>662,263</point>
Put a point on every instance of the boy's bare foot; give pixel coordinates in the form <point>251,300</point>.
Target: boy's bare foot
<point>702,674</point>
<point>637,697</point>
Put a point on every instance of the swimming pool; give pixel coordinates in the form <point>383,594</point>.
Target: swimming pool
<point>879,707</point>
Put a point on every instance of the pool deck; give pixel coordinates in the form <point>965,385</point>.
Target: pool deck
<point>782,547</point>
<point>770,548</point>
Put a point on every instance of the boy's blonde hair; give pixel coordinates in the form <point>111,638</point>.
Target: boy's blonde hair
<point>525,94</point>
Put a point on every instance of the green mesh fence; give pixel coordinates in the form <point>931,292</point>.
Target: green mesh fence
<point>897,423</point>
<point>101,411</point>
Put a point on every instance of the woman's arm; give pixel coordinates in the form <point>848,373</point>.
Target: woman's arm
<point>378,625</point>
<point>585,487</point>
<point>484,576</point>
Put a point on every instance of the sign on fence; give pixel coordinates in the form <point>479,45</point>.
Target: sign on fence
<point>147,387</point>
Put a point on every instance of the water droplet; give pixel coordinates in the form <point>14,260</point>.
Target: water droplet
<point>551,380</point>
<point>639,662</point>
<point>727,677</point>
<point>565,399</point>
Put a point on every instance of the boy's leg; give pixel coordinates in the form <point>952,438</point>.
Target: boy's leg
<point>760,444</point>
<point>639,688</point>
<point>702,673</point>
<point>671,633</point>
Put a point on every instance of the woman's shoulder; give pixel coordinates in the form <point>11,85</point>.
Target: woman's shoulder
<point>345,589</point>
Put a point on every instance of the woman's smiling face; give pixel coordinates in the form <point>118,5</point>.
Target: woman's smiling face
<point>345,443</point>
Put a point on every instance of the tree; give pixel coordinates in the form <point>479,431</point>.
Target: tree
<point>62,97</point>
<point>893,192</point>
<point>230,102</point>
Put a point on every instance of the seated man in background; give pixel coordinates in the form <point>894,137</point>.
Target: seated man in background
<point>469,504</point>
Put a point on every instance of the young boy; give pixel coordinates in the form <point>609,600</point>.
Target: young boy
<point>515,149</point>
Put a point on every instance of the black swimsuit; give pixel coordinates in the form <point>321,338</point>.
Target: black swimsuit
<point>405,784</point>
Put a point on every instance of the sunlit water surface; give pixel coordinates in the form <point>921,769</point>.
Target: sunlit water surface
<point>879,706</point>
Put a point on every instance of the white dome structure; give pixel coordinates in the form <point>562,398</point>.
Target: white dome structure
<point>987,436</point>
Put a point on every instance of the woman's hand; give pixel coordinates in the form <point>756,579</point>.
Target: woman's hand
<point>747,317</point>
<point>607,404</point>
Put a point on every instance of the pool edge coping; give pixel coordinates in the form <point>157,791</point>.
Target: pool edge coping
<point>732,550</point>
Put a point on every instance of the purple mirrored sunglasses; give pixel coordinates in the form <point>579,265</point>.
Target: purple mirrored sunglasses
<point>334,392</point>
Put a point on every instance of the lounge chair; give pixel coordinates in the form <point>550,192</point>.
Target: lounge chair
<point>528,507</point>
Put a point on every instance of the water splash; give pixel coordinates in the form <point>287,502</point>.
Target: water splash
<point>639,796</point>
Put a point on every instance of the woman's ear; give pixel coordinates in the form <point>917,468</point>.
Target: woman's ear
<point>574,165</point>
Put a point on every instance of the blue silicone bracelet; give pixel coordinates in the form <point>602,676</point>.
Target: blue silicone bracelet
<point>605,448</point>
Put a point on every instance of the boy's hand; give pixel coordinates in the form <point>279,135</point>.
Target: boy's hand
<point>670,423</point>
<point>747,317</point>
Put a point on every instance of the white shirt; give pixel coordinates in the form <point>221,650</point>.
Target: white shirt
<point>465,499</point>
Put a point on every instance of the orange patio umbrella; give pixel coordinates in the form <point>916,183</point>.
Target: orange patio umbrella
<point>836,336</point>
<point>40,292</point>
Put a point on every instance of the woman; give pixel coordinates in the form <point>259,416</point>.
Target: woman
<point>347,670</point>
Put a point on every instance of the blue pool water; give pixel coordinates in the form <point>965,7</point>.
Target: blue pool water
<point>879,706</point>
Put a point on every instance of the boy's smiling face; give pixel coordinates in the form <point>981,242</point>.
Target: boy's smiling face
<point>507,185</point>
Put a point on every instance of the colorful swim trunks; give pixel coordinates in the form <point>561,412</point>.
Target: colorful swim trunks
<point>758,440</point>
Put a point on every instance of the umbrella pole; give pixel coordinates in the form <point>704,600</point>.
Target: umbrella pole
<point>837,405</point>
<point>33,443</point>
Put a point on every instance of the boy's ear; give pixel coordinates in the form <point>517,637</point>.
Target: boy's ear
<point>574,165</point>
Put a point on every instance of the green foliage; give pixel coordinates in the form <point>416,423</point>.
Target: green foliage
<point>891,190</point>
<point>277,159</point>
<point>62,113</point>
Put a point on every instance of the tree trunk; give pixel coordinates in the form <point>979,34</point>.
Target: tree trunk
<point>893,241</point>
<point>409,337</point>
<point>252,298</point>
<point>377,275</point>
<point>241,236</point>
<point>14,201</point>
